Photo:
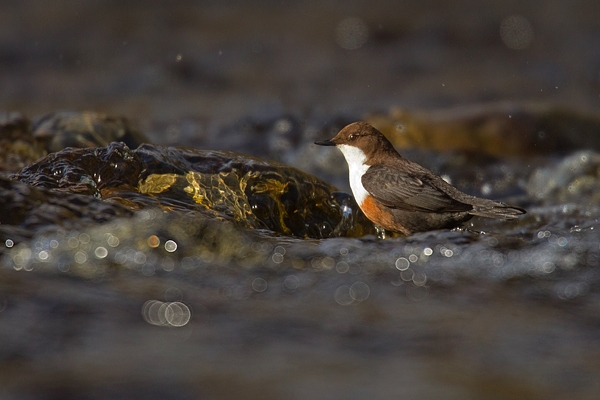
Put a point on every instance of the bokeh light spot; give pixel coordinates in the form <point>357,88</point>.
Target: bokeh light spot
<point>402,264</point>
<point>328,263</point>
<point>177,314</point>
<point>407,275</point>
<point>170,246</point>
<point>174,314</point>
<point>112,240</point>
<point>279,250</point>
<point>259,285</point>
<point>298,263</point>
<point>342,295</point>
<point>153,241</point>
<point>168,264</point>
<point>148,269</point>
<point>43,255</point>
<point>419,278</point>
<point>22,259</point>
<point>80,257</point>
<point>100,252</point>
<point>359,291</point>
<point>291,283</point>
<point>342,267</point>
<point>84,238</point>
<point>73,242</point>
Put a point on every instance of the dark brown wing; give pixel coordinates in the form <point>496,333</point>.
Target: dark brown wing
<point>400,190</point>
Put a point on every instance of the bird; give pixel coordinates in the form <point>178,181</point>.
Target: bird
<point>401,196</point>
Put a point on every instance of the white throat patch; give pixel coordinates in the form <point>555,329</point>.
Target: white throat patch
<point>356,167</point>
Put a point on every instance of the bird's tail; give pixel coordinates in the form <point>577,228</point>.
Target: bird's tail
<point>496,209</point>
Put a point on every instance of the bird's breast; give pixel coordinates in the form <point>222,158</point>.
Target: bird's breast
<point>356,172</point>
<point>382,216</point>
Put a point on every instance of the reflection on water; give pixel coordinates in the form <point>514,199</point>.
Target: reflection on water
<point>175,314</point>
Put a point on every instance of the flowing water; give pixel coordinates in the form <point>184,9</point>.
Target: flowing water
<point>181,272</point>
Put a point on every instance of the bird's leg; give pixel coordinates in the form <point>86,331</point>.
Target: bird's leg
<point>381,233</point>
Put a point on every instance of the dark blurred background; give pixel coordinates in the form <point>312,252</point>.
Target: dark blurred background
<point>195,66</point>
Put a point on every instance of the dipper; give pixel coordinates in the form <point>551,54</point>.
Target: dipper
<point>400,195</point>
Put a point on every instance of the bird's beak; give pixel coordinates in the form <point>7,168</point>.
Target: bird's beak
<point>325,143</point>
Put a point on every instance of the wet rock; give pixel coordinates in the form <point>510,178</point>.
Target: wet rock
<point>18,148</point>
<point>22,142</point>
<point>62,129</point>
<point>26,210</point>
<point>85,171</point>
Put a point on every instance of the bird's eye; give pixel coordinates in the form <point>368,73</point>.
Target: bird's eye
<point>352,137</point>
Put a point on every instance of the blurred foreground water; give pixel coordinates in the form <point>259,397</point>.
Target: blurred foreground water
<point>135,270</point>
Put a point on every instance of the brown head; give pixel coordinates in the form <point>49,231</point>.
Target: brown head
<point>362,136</point>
